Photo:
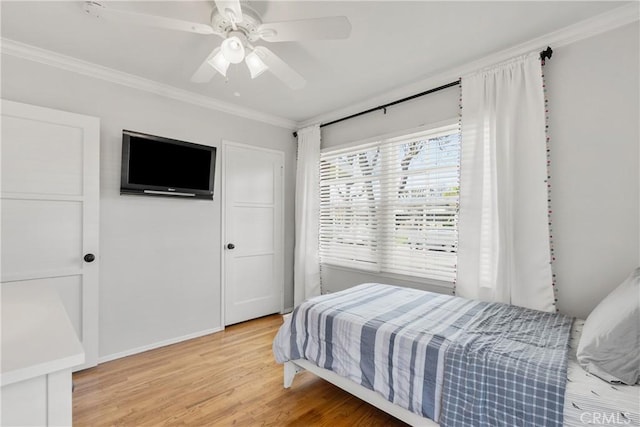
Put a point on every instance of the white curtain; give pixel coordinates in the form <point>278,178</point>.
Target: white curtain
<point>306,260</point>
<point>504,252</point>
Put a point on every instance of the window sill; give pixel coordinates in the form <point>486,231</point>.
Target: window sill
<point>445,287</point>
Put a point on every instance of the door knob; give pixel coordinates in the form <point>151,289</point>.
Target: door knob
<point>89,257</point>
<point>231,246</point>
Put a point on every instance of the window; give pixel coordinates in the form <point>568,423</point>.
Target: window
<point>392,206</point>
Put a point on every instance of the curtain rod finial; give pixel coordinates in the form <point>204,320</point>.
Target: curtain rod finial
<point>546,54</point>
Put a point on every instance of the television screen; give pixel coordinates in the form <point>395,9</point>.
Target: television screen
<point>158,166</point>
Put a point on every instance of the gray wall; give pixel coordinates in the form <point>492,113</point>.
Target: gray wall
<point>593,101</point>
<point>160,258</point>
<point>593,93</point>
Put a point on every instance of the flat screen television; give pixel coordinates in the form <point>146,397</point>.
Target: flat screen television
<point>157,166</point>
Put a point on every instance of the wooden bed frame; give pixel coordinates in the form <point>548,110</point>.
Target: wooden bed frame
<point>291,368</point>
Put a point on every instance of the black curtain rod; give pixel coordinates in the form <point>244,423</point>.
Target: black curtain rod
<point>384,107</point>
<point>545,54</point>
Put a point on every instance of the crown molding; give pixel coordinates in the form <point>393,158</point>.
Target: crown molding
<point>593,26</point>
<point>68,63</point>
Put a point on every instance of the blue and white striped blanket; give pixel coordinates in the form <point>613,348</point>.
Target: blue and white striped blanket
<point>457,361</point>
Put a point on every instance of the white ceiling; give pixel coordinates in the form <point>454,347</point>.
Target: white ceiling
<point>392,44</point>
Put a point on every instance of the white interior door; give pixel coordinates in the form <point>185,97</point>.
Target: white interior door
<point>253,231</point>
<point>50,205</point>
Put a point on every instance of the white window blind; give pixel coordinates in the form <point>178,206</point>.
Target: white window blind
<point>392,206</point>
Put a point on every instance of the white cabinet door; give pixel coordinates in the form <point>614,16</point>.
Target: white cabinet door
<point>50,205</point>
<point>253,231</point>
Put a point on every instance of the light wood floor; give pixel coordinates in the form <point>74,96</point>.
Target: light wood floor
<point>227,378</point>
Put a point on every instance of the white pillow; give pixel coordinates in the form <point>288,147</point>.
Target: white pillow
<point>610,342</point>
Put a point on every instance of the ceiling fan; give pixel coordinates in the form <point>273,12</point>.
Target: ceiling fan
<point>240,27</point>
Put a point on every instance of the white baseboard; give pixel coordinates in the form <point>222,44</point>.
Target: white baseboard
<point>286,310</point>
<point>159,344</point>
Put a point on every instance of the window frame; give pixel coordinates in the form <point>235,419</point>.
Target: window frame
<point>379,141</point>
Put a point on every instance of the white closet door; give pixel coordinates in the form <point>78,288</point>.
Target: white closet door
<point>253,231</point>
<point>50,205</point>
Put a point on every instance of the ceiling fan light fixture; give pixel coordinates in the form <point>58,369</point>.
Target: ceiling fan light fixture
<point>255,64</point>
<point>220,63</point>
<point>233,50</point>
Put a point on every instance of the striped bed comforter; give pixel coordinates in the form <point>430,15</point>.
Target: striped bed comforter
<point>457,361</point>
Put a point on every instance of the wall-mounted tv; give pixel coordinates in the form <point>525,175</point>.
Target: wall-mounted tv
<point>157,166</point>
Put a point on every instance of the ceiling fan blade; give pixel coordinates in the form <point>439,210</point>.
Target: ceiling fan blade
<point>329,28</point>
<point>231,9</point>
<point>100,11</point>
<point>205,71</point>
<point>280,69</point>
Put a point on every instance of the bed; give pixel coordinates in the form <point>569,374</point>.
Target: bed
<point>422,357</point>
<point>591,401</point>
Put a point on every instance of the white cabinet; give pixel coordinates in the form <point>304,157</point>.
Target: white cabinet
<point>39,349</point>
